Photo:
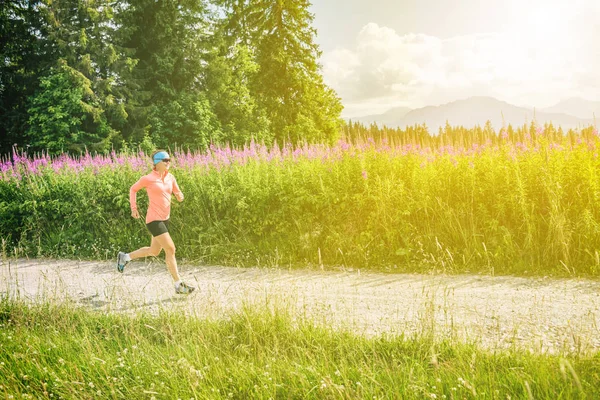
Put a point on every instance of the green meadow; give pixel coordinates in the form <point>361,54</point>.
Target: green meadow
<point>274,178</point>
<point>526,204</point>
<point>62,351</point>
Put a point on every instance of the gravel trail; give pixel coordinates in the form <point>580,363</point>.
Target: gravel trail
<point>541,315</point>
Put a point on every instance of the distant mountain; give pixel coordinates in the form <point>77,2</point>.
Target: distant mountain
<point>476,111</point>
<point>388,118</point>
<point>577,107</point>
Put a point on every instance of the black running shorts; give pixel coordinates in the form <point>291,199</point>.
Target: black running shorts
<point>157,228</point>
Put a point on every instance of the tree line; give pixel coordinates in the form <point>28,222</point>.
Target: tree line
<point>465,137</point>
<point>107,74</point>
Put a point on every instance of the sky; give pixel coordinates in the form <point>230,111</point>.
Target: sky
<point>381,54</point>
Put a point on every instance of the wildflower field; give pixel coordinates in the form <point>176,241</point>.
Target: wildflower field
<point>524,202</point>
<point>513,202</point>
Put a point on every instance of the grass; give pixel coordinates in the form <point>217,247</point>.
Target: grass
<point>526,205</point>
<point>63,351</point>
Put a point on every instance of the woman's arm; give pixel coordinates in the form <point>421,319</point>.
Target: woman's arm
<point>176,191</point>
<point>140,184</point>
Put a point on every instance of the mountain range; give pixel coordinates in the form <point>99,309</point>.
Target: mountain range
<point>569,114</point>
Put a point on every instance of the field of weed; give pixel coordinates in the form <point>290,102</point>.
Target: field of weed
<point>523,203</point>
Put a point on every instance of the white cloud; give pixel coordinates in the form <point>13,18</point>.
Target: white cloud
<point>538,60</point>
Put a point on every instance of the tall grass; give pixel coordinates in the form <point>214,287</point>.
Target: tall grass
<point>525,202</point>
<point>51,351</point>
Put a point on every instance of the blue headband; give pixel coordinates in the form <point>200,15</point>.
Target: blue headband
<point>161,155</point>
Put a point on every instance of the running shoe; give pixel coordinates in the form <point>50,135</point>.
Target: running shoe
<point>184,288</point>
<point>121,263</point>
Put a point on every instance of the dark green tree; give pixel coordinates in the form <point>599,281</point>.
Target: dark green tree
<point>89,37</point>
<point>289,84</point>
<point>64,115</point>
<point>62,42</point>
<point>231,67</point>
<point>25,55</point>
<point>170,42</point>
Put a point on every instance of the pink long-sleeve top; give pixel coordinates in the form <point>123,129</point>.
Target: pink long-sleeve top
<point>159,189</point>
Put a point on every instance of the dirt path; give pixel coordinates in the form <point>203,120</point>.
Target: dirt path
<point>537,314</point>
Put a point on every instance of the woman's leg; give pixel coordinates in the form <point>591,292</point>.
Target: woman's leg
<point>152,251</point>
<point>165,242</point>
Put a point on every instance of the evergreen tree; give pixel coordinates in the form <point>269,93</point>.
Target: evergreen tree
<point>231,66</point>
<point>226,82</point>
<point>289,85</point>
<point>63,115</point>
<point>24,57</point>
<point>74,43</point>
<point>170,39</point>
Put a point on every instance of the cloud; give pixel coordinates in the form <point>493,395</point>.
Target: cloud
<point>533,65</point>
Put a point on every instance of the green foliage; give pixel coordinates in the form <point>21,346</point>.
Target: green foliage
<point>68,352</point>
<point>65,116</point>
<point>185,121</point>
<point>289,84</point>
<point>186,74</point>
<point>88,40</point>
<point>525,208</point>
<point>25,58</point>
<point>170,41</point>
<point>226,81</point>
<point>50,215</point>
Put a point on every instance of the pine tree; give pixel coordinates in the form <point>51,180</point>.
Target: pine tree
<point>25,56</point>
<point>289,84</point>
<point>170,40</point>
<point>84,39</point>
<point>60,117</point>
<point>230,68</point>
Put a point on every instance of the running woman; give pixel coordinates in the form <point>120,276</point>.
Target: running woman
<point>159,185</point>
